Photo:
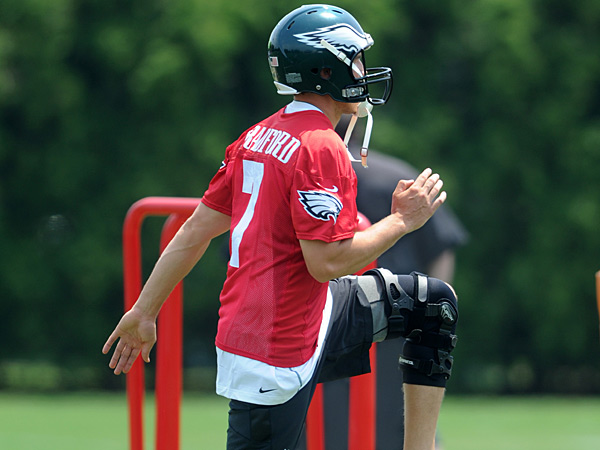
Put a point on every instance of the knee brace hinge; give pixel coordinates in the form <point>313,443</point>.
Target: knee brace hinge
<point>443,341</point>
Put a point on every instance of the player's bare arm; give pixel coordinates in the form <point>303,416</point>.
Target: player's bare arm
<point>413,203</point>
<point>136,330</point>
<point>180,256</point>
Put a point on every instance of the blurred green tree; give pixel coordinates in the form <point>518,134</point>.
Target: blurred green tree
<point>105,102</point>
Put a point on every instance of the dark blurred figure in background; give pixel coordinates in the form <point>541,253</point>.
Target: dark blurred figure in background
<point>430,250</point>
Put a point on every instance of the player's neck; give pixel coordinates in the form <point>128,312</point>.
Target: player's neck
<point>325,103</point>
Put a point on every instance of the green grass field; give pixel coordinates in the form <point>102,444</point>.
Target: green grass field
<point>99,422</point>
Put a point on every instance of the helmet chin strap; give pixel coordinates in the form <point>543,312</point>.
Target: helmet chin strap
<point>364,109</point>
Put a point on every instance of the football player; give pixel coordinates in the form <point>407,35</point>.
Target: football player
<point>290,314</point>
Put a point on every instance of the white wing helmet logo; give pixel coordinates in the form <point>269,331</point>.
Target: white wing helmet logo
<point>321,205</point>
<point>341,36</point>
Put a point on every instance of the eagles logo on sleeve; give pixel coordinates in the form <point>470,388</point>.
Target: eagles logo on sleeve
<point>320,205</point>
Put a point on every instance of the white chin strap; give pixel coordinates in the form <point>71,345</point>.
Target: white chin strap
<point>364,109</point>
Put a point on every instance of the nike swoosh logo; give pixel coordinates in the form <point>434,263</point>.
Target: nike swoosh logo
<point>263,391</point>
<point>333,190</point>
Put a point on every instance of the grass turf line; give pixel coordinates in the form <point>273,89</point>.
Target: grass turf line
<point>98,421</point>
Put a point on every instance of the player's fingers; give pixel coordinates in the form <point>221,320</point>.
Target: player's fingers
<point>423,176</point>
<point>116,355</point>
<point>109,342</point>
<point>404,185</point>
<point>439,200</point>
<point>146,352</point>
<point>431,182</point>
<point>437,187</point>
<point>121,353</point>
<point>123,359</point>
<point>130,360</point>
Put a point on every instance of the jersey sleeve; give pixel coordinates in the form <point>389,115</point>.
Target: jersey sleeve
<point>218,196</point>
<point>323,194</point>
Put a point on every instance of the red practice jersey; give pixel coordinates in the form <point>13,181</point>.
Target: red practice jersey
<point>287,178</point>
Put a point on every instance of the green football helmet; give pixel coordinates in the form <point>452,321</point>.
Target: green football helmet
<point>320,49</point>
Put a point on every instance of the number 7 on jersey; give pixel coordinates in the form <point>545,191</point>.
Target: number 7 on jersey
<point>253,176</point>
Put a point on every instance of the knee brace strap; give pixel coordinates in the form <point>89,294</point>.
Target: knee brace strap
<point>399,301</point>
<point>401,304</point>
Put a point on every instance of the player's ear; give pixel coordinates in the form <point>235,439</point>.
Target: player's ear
<point>325,73</point>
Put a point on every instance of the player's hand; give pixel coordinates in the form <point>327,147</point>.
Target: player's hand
<point>136,334</point>
<point>417,200</point>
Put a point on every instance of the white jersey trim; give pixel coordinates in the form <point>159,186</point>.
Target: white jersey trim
<point>298,106</point>
<point>247,380</point>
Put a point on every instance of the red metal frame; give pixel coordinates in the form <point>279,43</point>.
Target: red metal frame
<point>168,388</point>
<point>169,345</point>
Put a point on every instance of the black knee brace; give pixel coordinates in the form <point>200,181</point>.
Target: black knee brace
<point>425,312</point>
